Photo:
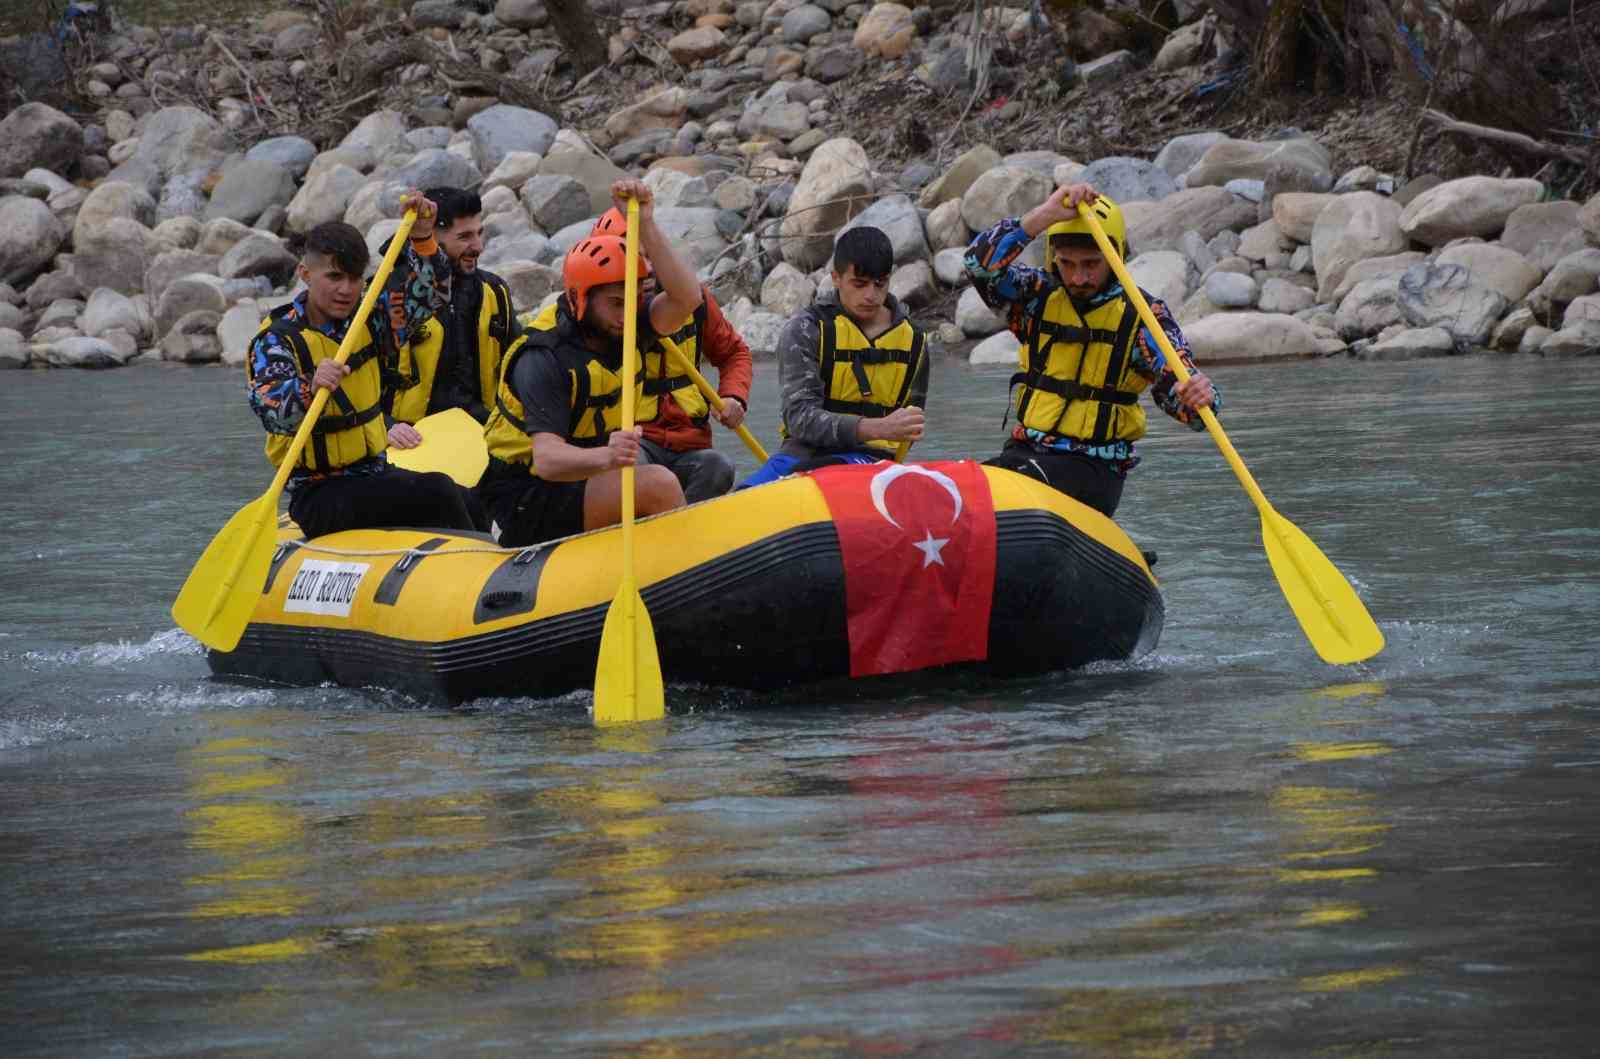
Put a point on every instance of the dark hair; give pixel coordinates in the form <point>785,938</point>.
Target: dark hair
<point>341,242</point>
<point>868,249</point>
<point>454,204</point>
<point>1076,240</point>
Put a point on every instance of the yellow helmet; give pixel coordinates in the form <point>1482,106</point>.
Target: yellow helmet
<point>1108,213</point>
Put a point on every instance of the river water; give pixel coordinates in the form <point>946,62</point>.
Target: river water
<point>1226,848</point>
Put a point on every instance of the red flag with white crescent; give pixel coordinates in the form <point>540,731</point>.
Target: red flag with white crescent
<point>918,544</point>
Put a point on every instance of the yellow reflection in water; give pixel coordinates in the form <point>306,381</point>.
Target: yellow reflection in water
<point>1325,915</point>
<point>265,952</point>
<point>1339,751</point>
<point>1124,1023</point>
<point>1328,983</point>
<point>1352,691</point>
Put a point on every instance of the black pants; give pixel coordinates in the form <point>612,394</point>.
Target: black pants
<point>396,497</point>
<point>1084,478</point>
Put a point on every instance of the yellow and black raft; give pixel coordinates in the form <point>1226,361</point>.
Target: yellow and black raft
<point>744,591</point>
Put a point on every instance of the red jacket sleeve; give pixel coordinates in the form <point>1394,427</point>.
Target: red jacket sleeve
<point>726,349</point>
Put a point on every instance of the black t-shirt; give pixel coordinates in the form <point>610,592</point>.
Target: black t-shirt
<point>542,379</point>
<point>542,382</point>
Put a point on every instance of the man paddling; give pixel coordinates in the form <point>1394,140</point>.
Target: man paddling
<point>853,369</point>
<point>1085,356</point>
<point>555,443</point>
<point>343,480</point>
<point>453,361</point>
<point>678,436</point>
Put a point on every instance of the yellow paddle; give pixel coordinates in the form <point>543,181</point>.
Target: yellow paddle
<point>216,601</point>
<point>627,679</point>
<point>680,362</point>
<point>452,442</point>
<point>1330,612</point>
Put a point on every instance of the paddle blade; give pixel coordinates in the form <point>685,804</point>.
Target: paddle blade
<point>452,442</point>
<point>1332,615</point>
<point>217,600</point>
<point>627,680</point>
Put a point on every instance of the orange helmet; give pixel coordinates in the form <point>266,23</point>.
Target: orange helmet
<point>595,262</point>
<point>611,222</point>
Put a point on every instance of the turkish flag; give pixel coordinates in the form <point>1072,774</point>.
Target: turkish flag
<point>918,544</point>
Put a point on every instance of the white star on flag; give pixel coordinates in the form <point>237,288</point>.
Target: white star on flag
<point>929,546</point>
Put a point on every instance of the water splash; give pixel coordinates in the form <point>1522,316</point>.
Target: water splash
<point>171,642</point>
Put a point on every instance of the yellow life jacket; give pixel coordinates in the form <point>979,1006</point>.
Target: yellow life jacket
<point>868,377</point>
<point>351,427</point>
<point>483,335</point>
<point>594,395</point>
<point>653,367</point>
<point>1077,380</point>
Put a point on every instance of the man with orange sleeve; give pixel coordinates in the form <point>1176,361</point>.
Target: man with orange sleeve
<point>679,436</point>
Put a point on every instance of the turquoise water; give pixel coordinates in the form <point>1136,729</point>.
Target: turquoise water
<point>1226,848</point>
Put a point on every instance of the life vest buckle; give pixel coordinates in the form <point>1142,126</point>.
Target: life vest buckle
<point>527,555</point>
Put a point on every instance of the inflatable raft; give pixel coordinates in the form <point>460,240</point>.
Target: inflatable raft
<point>850,571</point>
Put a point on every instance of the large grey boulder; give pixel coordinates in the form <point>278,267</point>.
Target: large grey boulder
<point>1354,227</point>
<point>37,136</point>
<point>521,14</point>
<point>187,294</point>
<point>587,168</point>
<point>974,317</point>
<point>1499,268</point>
<point>1373,268</point>
<point>693,232</point>
<point>1296,213</point>
<point>1001,192</point>
<point>1002,347</point>
<point>787,290</point>
<point>248,188</point>
<point>112,199</point>
<point>1303,164</point>
<point>555,201</point>
<point>221,235</point>
<point>530,282</point>
<point>1474,205</point>
<point>1575,340</point>
<point>259,254</point>
<point>174,140</point>
<point>944,227</point>
<point>107,310</point>
<point>32,237</point>
<point>1282,296</point>
<point>835,185</point>
<point>1539,222</point>
<point>897,218</point>
<point>1589,218</point>
<point>1252,336</point>
<point>1207,211</point>
<point>1129,179</point>
<point>378,134</point>
<point>293,153</point>
<point>1371,306</point>
<point>1180,153</point>
<point>436,167</point>
<point>115,254</point>
<point>1164,274</point>
<point>1412,343</point>
<point>1574,276</point>
<point>236,330</point>
<point>83,352</point>
<point>323,197</point>
<point>959,175</point>
<point>169,265</point>
<point>503,128</point>
<point>14,352</point>
<point>1442,295</point>
<point>192,339</point>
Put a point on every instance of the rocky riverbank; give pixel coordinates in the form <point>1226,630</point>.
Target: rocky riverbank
<point>154,221</point>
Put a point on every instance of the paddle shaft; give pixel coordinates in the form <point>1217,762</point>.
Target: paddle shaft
<point>630,370</point>
<point>1174,362</point>
<point>680,362</point>
<point>1271,521</point>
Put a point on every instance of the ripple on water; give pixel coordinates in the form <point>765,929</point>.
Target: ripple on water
<point>169,643</point>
